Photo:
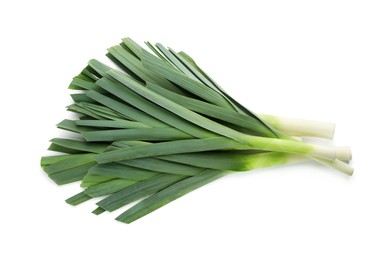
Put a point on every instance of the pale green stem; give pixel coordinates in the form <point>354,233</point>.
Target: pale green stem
<point>274,158</point>
<point>300,127</point>
<point>289,146</point>
<point>337,165</point>
<point>269,159</point>
<point>343,153</point>
<point>322,154</point>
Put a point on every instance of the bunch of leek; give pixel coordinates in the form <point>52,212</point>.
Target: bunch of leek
<point>159,127</point>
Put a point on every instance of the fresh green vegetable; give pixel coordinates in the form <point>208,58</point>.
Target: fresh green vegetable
<point>162,127</point>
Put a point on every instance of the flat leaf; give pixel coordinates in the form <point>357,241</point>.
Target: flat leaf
<point>149,134</point>
<point>108,187</point>
<point>169,194</point>
<point>138,191</point>
<point>171,147</point>
<point>78,199</point>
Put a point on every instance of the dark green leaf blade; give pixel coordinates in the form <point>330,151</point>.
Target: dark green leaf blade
<point>169,194</point>
<point>138,191</point>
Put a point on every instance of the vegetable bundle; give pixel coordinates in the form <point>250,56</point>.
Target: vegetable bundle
<point>159,127</point>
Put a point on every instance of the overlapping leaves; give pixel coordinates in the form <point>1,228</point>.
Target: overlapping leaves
<point>154,131</point>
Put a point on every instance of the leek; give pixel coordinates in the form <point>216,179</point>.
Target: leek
<point>160,127</point>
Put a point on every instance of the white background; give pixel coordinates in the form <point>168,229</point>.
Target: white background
<point>326,60</point>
